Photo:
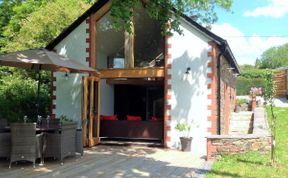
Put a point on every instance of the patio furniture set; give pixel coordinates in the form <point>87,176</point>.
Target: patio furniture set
<point>46,139</point>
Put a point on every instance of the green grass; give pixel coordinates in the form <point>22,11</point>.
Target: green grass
<point>254,164</point>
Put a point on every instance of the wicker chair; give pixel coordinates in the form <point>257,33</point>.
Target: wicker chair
<point>51,123</point>
<point>79,138</point>
<point>5,145</point>
<point>79,142</point>
<point>62,144</point>
<point>24,143</point>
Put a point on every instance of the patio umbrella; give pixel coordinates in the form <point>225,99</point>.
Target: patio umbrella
<point>42,59</point>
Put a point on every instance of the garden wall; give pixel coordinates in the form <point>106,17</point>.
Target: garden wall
<point>259,140</point>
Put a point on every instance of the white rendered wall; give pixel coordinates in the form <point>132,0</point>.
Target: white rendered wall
<point>107,99</point>
<point>189,93</point>
<point>69,92</point>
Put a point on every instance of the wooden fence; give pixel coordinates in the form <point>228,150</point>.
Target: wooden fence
<point>281,81</point>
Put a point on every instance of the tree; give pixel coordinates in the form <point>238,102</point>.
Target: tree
<point>269,93</point>
<point>32,24</point>
<point>162,10</point>
<point>44,24</point>
<point>20,11</point>
<point>274,57</point>
<point>6,12</point>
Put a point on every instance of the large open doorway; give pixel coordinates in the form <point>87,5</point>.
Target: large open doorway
<point>132,109</point>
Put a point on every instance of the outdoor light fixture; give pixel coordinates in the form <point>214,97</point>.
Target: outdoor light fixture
<point>66,76</point>
<point>188,70</point>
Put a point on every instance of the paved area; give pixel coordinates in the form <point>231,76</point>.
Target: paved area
<point>114,161</point>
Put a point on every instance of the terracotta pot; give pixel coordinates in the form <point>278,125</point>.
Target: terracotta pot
<point>186,143</point>
<point>253,103</point>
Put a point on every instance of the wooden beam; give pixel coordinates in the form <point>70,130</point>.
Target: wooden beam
<point>92,47</point>
<point>93,30</point>
<point>132,73</point>
<point>102,11</point>
<point>136,82</point>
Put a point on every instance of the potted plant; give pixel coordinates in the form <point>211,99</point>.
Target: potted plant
<point>185,139</point>
<point>241,105</point>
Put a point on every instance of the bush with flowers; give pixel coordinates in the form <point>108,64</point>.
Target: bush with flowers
<point>255,91</point>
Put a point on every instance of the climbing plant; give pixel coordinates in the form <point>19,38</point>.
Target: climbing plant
<point>269,93</point>
<point>165,11</point>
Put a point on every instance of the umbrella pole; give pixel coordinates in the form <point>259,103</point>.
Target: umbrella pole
<point>38,94</point>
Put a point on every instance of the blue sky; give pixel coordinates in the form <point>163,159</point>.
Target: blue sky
<point>253,26</point>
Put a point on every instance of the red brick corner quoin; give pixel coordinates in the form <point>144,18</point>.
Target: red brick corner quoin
<point>167,92</point>
<point>212,96</point>
<point>53,95</point>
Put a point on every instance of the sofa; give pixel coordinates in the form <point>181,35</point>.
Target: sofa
<point>152,130</point>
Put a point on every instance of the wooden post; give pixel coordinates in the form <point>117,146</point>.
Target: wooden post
<point>131,37</point>
<point>91,114</point>
<point>98,113</point>
<point>92,49</point>
<point>84,109</point>
<point>129,46</point>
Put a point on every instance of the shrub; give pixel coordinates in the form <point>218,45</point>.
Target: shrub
<point>250,77</point>
<point>243,85</point>
<point>18,98</point>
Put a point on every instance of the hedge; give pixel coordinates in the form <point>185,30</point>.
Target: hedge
<point>243,84</point>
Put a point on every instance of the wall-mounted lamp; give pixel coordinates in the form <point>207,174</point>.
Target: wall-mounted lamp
<point>66,76</point>
<point>188,70</point>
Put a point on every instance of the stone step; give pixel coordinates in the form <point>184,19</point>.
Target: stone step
<point>241,118</point>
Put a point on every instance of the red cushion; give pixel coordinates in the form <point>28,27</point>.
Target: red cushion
<point>133,118</point>
<point>110,118</point>
<point>155,119</point>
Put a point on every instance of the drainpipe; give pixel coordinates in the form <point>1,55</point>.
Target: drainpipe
<point>222,52</point>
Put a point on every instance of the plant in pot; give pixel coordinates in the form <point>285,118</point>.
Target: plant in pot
<point>241,105</point>
<point>185,139</point>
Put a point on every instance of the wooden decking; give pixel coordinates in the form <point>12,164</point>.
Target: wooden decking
<point>112,161</point>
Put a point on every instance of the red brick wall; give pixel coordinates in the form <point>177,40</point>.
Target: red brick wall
<point>212,119</point>
<point>227,102</point>
<point>167,91</point>
<point>53,95</point>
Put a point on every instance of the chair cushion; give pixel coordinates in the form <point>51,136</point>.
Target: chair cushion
<point>133,118</point>
<point>110,118</point>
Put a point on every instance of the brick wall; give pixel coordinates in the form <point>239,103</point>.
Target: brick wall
<point>212,107</point>
<point>228,81</point>
<point>167,92</point>
<point>228,96</point>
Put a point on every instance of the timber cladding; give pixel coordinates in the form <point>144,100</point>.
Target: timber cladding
<point>280,78</point>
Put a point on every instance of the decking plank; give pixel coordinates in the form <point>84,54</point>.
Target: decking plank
<point>112,161</point>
